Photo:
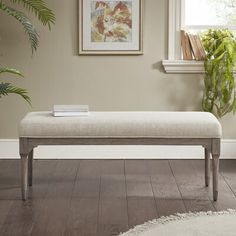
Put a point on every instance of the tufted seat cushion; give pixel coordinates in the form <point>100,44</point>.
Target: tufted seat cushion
<point>122,125</point>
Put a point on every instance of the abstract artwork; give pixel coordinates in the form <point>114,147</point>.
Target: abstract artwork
<point>110,27</point>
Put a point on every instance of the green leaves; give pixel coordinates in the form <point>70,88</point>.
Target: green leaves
<point>11,71</point>
<point>44,14</point>
<point>26,23</point>
<point>7,88</point>
<point>219,95</point>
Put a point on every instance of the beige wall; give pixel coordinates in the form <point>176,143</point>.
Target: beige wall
<point>57,75</point>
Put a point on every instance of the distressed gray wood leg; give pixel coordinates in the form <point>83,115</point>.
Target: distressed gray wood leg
<point>30,167</point>
<point>215,160</point>
<point>207,167</point>
<point>215,166</point>
<point>24,154</point>
<point>24,175</point>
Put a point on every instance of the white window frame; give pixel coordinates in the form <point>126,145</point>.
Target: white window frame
<point>174,64</point>
<point>175,25</point>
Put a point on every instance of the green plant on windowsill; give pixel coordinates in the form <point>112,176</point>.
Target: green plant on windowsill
<point>219,95</point>
<point>45,16</point>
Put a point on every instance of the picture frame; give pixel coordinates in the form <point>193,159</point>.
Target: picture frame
<point>110,27</point>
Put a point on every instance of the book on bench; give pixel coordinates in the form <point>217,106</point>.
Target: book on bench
<point>70,110</point>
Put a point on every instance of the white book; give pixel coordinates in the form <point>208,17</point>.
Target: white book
<point>70,114</point>
<point>70,108</point>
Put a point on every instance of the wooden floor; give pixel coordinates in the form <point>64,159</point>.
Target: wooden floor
<point>106,197</point>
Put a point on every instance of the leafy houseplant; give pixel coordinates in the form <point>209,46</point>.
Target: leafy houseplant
<point>45,16</point>
<point>219,96</point>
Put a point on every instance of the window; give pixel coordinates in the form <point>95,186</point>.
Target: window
<point>205,14</point>
<point>195,15</point>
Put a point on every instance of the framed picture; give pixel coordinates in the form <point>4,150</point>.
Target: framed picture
<point>110,27</point>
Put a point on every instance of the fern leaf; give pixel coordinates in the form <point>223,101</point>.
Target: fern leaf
<point>25,21</point>
<point>44,14</point>
<point>7,88</point>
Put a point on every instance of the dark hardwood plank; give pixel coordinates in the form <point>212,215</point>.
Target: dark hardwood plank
<point>167,196</point>
<point>113,186</point>
<point>227,169</point>
<point>227,178</point>
<point>166,207</point>
<point>23,214</point>
<point>163,181</point>
<point>139,189</point>
<point>194,192</point>
<point>42,177</point>
<point>8,187</point>
<point>112,167</point>
<point>89,169</point>
<point>168,199</point>
<point>226,197</point>
<point>141,210</point>
<point>141,201</point>
<point>186,173</point>
<point>10,180</point>
<point>87,184</point>
<point>198,205</point>
<point>195,195</point>
<point>166,191</point>
<point>137,171</point>
<point>87,188</point>
<point>138,181</point>
<point>160,172</point>
<point>113,216</point>
<point>9,173</point>
<point>5,206</point>
<point>55,208</point>
<point>113,179</point>
<point>83,218</point>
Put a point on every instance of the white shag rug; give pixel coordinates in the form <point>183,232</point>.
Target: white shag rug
<point>190,224</point>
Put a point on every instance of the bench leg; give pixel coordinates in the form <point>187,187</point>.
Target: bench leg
<point>215,160</point>
<point>30,167</point>
<point>24,175</point>
<point>207,167</point>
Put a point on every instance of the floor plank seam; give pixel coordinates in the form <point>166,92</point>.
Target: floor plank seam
<point>71,196</point>
<point>228,184</point>
<point>126,192</point>
<point>172,171</point>
<point>99,202</point>
<point>154,197</point>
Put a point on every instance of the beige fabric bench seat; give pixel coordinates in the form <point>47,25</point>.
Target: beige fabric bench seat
<point>126,128</point>
<point>122,125</point>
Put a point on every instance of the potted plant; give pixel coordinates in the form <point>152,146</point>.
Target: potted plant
<point>219,95</point>
<point>45,16</point>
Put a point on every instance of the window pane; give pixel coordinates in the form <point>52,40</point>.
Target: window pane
<point>210,12</point>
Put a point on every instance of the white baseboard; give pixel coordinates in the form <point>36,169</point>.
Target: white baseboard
<point>9,150</point>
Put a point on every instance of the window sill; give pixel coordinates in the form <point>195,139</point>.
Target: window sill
<point>183,67</point>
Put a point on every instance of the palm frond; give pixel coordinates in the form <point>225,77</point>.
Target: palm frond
<point>44,14</point>
<point>25,21</point>
<point>10,70</point>
<point>7,88</point>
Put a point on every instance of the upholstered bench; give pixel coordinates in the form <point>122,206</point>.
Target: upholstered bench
<point>121,128</point>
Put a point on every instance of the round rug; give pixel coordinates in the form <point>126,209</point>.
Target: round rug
<point>191,224</point>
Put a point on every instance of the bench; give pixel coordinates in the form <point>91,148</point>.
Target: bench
<point>121,128</point>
